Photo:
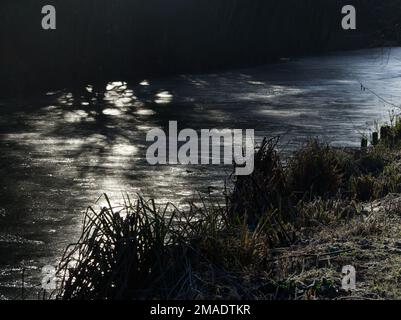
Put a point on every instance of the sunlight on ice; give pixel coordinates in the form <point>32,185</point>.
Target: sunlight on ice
<point>112,112</point>
<point>116,85</point>
<point>164,97</point>
<point>75,116</point>
<point>144,83</point>
<point>145,112</point>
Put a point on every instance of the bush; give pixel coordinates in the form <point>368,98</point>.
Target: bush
<point>363,187</point>
<point>372,163</point>
<point>264,190</point>
<point>389,181</point>
<point>314,171</point>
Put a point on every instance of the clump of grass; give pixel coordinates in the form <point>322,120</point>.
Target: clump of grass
<point>372,162</point>
<point>255,194</point>
<point>319,212</point>
<point>391,179</point>
<point>377,175</point>
<point>121,254</point>
<point>141,252</point>
<point>363,187</point>
<point>315,171</point>
<point>263,194</point>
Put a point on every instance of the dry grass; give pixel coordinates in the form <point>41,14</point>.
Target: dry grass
<point>283,233</point>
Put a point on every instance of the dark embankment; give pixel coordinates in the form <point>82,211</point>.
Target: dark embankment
<point>285,233</point>
<point>103,40</point>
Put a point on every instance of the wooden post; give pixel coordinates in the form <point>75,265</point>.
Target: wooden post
<point>375,138</point>
<point>397,129</point>
<point>385,132</point>
<point>364,143</point>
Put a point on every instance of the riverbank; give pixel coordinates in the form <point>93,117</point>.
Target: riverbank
<point>285,232</point>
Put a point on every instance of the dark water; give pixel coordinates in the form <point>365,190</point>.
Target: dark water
<point>59,152</point>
